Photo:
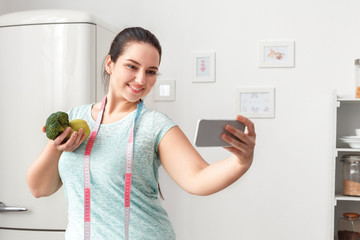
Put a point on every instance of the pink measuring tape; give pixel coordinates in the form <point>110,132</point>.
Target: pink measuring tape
<point>128,172</point>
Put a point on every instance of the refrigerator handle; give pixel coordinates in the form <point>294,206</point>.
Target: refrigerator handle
<point>4,208</point>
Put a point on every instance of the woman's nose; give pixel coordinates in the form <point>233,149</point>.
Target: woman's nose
<point>140,77</point>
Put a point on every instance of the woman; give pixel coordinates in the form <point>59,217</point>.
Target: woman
<point>131,69</point>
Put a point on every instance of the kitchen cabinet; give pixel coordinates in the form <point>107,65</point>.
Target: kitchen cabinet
<point>346,120</point>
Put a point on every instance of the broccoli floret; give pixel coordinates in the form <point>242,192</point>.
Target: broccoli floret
<point>56,123</point>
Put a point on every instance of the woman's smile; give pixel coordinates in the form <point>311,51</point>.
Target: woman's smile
<point>135,88</point>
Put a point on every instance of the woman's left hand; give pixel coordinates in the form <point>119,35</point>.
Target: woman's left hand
<point>243,149</point>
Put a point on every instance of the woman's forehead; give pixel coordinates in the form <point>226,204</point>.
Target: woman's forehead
<point>143,53</point>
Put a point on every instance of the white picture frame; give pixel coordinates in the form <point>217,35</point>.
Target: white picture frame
<point>277,54</point>
<point>164,91</point>
<point>204,67</point>
<point>256,102</point>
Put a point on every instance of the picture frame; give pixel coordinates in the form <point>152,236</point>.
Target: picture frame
<point>164,91</point>
<point>204,67</point>
<point>256,102</point>
<point>277,54</point>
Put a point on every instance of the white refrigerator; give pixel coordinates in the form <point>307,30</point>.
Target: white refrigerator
<point>50,60</point>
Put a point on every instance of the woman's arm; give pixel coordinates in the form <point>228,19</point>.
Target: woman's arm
<point>190,171</point>
<point>43,176</point>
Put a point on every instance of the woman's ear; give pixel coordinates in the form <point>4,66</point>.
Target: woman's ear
<point>108,64</point>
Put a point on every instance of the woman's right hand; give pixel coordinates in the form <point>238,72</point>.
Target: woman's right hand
<point>72,143</point>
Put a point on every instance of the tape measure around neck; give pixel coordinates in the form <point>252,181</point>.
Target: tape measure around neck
<point>128,171</point>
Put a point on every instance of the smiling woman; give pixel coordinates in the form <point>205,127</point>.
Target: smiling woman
<point>128,144</point>
<point>134,72</point>
<point>119,45</point>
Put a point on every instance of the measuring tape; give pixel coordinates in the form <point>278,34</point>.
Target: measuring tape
<point>128,171</point>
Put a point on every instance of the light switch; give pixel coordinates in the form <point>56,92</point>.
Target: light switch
<point>165,90</point>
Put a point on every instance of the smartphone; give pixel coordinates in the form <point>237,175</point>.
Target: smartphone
<point>209,131</point>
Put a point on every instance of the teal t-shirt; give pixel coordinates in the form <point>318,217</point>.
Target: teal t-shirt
<point>148,219</point>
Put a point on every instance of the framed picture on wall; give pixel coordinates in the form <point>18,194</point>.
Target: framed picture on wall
<point>256,102</point>
<point>277,54</point>
<point>204,67</point>
<point>164,90</point>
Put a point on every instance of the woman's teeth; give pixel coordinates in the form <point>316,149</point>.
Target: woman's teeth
<point>137,89</point>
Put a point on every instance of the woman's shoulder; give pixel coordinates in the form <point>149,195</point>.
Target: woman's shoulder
<point>151,114</point>
<point>155,118</point>
<point>79,111</point>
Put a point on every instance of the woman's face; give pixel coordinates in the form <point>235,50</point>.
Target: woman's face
<point>134,73</point>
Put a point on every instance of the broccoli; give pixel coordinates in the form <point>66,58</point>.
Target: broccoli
<point>59,121</point>
<point>56,123</point>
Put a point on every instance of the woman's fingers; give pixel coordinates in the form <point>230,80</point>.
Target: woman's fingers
<point>249,125</point>
<point>236,132</point>
<point>78,139</point>
<point>72,143</point>
<point>242,136</point>
<point>244,143</point>
<point>239,144</point>
<point>59,140</point>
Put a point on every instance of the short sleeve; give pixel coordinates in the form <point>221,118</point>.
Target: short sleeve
<point>162,124</point>
<point>79,112</point>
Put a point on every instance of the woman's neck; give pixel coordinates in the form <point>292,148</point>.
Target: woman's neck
<point>117,108</point>
<point>119,105</point>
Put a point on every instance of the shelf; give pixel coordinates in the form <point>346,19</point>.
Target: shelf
<point>348,99</point>
<point>339,197</point>
<point>348,149</point>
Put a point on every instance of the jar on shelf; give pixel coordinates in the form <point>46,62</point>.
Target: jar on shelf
<point>348,227</point>
<point>357,77</point>
<point>351,175</point>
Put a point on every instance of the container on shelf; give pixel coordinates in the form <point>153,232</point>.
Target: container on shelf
<point>351,175</point>
<point>348,227</point>
<point>357,77</point>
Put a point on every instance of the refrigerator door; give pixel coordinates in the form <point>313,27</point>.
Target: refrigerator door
<point>43,69</point>
<point>30,235</point>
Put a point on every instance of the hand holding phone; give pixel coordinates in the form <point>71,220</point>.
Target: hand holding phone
<point>208,132</point>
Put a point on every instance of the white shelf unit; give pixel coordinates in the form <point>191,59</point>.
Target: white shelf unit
<point>346,120</point>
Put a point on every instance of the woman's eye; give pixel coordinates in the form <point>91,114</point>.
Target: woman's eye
<point>132,67</point>
<point>152,72</point>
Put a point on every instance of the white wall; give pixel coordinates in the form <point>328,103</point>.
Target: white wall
<point>286,193</point>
